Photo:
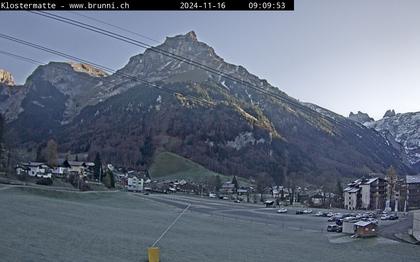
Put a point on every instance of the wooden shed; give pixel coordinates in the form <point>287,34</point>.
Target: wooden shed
<point>366,229</point>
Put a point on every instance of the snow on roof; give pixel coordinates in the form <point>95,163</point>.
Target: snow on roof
<point>413,179</point>
<point>34,164</point>
<point>75,163</point>
<point>352,189</point>
<point>363,223</point>
<point>370,180</point>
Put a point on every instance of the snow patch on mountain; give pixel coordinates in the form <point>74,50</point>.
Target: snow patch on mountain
<point>403,129</point>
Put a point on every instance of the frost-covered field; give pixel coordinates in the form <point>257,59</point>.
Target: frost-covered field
<point>64,226</point>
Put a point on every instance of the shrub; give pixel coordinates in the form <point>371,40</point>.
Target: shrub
<point>44,181</point>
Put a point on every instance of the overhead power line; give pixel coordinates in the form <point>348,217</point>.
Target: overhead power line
<point>114,26</point>
<point>22,58</point>
<point>104,68</point>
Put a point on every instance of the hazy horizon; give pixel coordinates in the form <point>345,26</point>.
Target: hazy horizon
<point>338,57</point>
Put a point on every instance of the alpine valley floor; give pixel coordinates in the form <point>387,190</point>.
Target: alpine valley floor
<point>52,225</point>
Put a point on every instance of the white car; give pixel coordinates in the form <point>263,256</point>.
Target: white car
<point>282,210</point>
<point>307,211</point>
<point>212,195</point>
<point>385,217</point>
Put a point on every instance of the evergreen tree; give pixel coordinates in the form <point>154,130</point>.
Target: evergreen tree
<point>217,183</point>
<point>339,192</point>
<point>235,182</point>
<point>112,179</point>
<point>97,170</point>
<point>147,150</point>
<point>109,180</point>
<point>1,128</point>
<point>40,157</point>
<point>1,134</point>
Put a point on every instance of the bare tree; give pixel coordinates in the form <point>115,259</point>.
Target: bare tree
<point>391,178</point>
<point>263,181</point>
<point>51,153</point>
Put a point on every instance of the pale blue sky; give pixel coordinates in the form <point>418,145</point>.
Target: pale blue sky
<point>342,55</point>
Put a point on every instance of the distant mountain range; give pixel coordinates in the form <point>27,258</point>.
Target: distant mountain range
<point>224,125</point>
<point>401,130</point>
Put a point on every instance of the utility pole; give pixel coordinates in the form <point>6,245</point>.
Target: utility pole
<point>100,173</point>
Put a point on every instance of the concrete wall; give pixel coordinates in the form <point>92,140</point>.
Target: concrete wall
<point>416,225</point>
<point>365,196</point>
<point>348,227</point>
<point>350,200</point>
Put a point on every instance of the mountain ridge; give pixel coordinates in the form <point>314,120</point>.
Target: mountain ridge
<point>227,126</point>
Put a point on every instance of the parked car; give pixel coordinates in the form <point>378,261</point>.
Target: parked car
<point>282,210</point>
<point>370,219</point>
<point>334,228</point>
<point>331,228</point>
<point>385,217</point>
<point>330,214</point>
<point>319,214</point>
<point>393,217</point>
<point>307,211</point>
<point>237,201</point>
<point>212,195</point>
<point>332,219</point>
<point>299,212</point>
<point>269,203</point>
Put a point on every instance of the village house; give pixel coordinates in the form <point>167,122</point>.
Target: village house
<point>78,167</point>
<point>227,188</point>
<point>59,171</point>
<point>317,200</point>
<point>34,169</point>
<point>135,184</point>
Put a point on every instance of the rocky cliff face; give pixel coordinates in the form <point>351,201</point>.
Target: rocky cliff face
<point>88,69</point>
<point>6,78</point>
<point>360,117</point>
<point>389,113</point>
<point>403,130</point>
<point>223,124</point>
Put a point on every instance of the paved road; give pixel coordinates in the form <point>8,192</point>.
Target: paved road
<point>244,211</point>
<point>259,214</point>
<point>401,226</point>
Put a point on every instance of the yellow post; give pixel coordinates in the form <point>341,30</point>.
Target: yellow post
<point>153,254</point>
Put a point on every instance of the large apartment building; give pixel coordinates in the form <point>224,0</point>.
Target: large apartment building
<point>365,193</point>
<point>412,192</point>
